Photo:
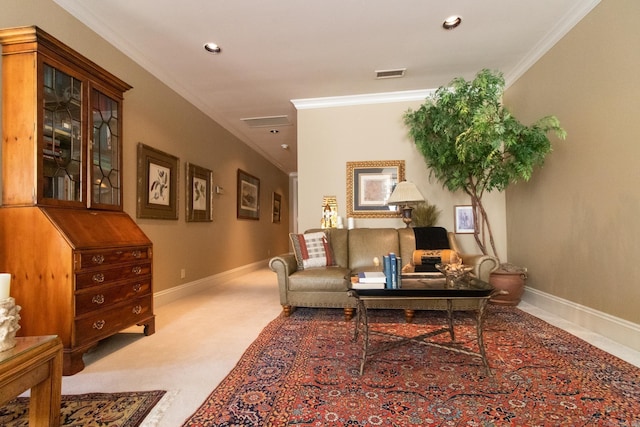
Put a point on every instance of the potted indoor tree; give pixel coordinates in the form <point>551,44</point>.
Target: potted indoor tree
<point>471,142</point>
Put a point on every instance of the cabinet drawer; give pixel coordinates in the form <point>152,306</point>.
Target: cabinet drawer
<point>101,297</point>
<point>90,259</point>
<point>104,323</point>
<point>105,276</point>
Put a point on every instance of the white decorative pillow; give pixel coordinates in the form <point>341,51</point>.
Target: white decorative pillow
<point>311,250</point>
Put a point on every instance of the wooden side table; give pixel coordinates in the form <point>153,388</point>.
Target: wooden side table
<point>35,363</point>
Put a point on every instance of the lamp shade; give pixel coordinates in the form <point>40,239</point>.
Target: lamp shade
<point>405,192</point>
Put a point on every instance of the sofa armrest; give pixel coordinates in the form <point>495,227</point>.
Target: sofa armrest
<point>284,265</point>
<point>483,265</point>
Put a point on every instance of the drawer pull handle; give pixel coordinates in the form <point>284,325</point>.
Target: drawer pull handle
<point>99,324</point>
<point>137,309</point>
<point>137,287</point>
<point>136,270</point>
<point>98,277</point>
<point>97,259</point>
<point>98,299</point>
<point>136,254</point>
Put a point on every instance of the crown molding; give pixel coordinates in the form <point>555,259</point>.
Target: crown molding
<point>366,99</point>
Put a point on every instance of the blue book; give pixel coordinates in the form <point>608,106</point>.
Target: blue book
<point>386,266</point>
<point>399,272</point>
<point>394,270</point>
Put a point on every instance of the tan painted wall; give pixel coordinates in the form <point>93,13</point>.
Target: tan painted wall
<point>575,224</point>
<point>330,137</point>
<point>157,116</point>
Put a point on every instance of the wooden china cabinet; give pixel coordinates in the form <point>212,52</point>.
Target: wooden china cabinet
<point>81,267</point>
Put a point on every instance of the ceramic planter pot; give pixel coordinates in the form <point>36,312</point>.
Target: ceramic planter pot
<point>511,279</point>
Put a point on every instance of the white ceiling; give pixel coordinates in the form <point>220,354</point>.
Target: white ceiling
<point>277,51</point>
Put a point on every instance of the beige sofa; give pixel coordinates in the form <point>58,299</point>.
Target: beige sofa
<point>354,251</point>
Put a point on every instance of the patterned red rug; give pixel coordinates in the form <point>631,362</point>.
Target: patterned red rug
<point>304,370</point>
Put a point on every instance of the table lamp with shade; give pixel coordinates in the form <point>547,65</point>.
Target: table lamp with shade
<point>404,195</point>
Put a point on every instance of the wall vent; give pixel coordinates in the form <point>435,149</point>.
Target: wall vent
<point>390,74</point>
<point>268,121</point>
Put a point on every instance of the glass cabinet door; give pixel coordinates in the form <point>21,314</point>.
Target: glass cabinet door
<point>105,149</point>
<point>62,148</point>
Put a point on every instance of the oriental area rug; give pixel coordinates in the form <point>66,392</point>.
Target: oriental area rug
<point>304,371</point>
<point>89,410</point>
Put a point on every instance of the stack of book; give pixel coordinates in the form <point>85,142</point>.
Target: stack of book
<point>392,267</point>
<point>369,280</point>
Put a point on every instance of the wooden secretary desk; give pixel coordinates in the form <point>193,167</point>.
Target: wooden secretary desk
<point>81,267</point>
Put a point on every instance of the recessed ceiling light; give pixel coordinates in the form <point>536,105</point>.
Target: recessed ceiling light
<point>452,22</point>
<point>284,146</point>
<point>212,48</point>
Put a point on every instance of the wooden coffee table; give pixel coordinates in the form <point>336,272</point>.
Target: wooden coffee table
<point>468,294</point>
<point>34,363</point>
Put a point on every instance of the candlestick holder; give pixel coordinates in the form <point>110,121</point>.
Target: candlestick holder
<point>9,318</point>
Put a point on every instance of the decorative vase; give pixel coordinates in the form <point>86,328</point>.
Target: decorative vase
<point>511,279</point>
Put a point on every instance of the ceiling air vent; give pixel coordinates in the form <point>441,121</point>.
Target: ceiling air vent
<point>269,121</point>
<point>390,74</point>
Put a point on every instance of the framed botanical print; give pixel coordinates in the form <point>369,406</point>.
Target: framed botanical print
<point>248,198</point>
<point>369,185</point>
<point>199,193</point>
<point>157,192</point>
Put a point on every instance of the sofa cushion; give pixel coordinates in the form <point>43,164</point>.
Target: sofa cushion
<point>311,250</point>
<point>365,244</point>
<point>329,279</point>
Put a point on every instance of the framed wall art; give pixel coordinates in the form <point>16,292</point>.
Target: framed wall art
<point>248,196</point>
<point>276,209</point>
<point>157,195</point>
<point>199,193</point>
<point>369,185</point>
<point>464,220</point>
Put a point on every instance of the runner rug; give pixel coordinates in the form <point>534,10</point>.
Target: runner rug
<point>88,410</point>
<point>304,370</point>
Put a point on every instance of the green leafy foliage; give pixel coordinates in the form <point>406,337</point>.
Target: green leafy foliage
<point>471,142</point>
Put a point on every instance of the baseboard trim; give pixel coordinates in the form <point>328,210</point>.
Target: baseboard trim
<point>169,295</point>
<point>619,330</point>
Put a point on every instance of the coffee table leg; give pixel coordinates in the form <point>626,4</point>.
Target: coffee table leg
<point>479,325</point>
<point>365,335</point>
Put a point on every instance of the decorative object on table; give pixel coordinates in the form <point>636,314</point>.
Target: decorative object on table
<point>511,279</point>
<point>9,316</point>
<point>329,212</point>
<point>548,376</point>
<point>276,208</point>
<point>406,195</point>
<point>248,196</point>
<point>369,185</point>
<point>471,142</point>
<point>351,223</point>
<point>453,272</point>
<point>424,214</point>
<point>199,201</point>
<point>464,219</point>
<point>157,196</point>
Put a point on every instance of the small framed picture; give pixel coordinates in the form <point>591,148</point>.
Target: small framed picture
<point>276,208</point>
<point>464,219</point>
<point>157,184</point>
<point>248,196</point>
<point>199,193</point>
